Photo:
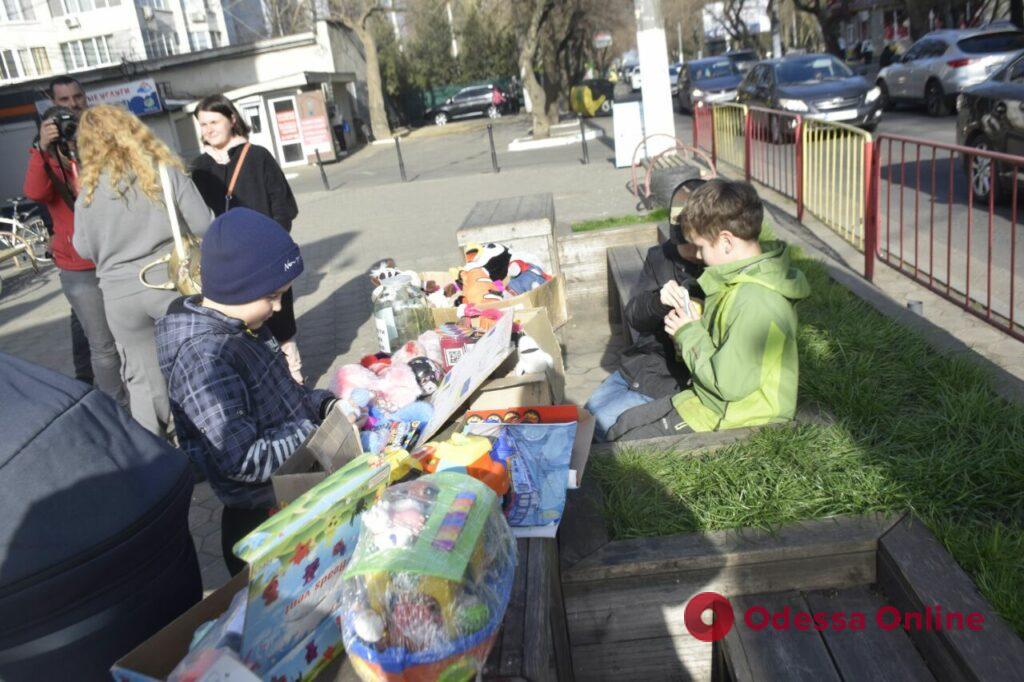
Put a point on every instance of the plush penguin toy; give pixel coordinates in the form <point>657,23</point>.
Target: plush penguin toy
<point>493,257</point>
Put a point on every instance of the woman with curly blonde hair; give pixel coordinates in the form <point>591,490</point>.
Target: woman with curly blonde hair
<point>121,224</point>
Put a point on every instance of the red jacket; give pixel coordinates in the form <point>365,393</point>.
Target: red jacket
<point>39,188</point>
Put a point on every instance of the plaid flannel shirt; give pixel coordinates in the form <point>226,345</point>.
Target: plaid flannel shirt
<point>237,411</point>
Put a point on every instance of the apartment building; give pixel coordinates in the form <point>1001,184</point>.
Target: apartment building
<point>40,38</point>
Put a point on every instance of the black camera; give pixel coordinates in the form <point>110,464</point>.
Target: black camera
<point>67,123</point>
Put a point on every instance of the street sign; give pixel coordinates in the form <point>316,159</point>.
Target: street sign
<point>602,39</point>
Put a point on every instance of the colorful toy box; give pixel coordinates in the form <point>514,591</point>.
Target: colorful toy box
<point>296,560</point>
<point>426,592</point>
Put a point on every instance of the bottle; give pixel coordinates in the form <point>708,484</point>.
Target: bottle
<point>400,313</point>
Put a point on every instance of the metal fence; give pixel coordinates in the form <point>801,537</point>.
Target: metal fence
<point>947,218</point>
<point>703,128</point>
<point>772,156</point>
<point>837,178</point>
<point>943,215</point>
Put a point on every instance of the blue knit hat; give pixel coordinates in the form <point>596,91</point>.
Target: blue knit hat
<point>246,256</point>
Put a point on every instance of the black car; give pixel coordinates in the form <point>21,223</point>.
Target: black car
<point>990,116</point>
<point>476,99</point>
<point>817,86</point>
<point>743,60</point>
<point>708,80</point>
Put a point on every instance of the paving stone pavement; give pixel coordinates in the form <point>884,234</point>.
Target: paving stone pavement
<point>369,215</point>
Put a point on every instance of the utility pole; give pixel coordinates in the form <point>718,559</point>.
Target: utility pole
<point>773,19</point>
<point>451,27</point>
<point>658,115</point>
<point>679,39</point>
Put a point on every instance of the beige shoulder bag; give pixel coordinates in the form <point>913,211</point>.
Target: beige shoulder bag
<point>183,260</point>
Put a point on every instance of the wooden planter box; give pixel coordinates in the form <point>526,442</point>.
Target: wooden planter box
<point>584,260</point>
<point>624,602</point>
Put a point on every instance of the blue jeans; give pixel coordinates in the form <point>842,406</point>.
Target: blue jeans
<point>610,400</point>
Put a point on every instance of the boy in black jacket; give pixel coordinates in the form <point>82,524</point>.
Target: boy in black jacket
<point>648,369</point>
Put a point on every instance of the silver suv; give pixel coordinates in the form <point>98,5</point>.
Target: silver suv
<point>942,63</point>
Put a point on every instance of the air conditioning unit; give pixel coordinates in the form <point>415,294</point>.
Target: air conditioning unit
<point>198,17</point>
<point>147,13</point>
<point>72,22</point>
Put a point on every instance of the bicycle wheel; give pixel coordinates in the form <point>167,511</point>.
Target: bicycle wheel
<point>35,233</point>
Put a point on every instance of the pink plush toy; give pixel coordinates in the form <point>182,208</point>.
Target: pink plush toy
<point>428,345</point>
<point>392,389</point>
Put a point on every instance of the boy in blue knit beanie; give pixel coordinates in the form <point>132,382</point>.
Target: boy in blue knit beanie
<point>237,411</point>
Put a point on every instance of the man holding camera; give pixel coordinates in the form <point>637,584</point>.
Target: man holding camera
<point>50,180</point>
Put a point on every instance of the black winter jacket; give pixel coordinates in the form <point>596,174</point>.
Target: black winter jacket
<point>261,184</point>
<point>650,364</point>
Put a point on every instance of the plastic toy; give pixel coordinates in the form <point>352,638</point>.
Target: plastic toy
<point>398,429</point>
<point>427,588</point>
<point>471,455</point>
<point>428,373</point>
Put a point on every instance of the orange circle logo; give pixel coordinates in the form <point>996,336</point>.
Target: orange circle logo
<point>722,620</point>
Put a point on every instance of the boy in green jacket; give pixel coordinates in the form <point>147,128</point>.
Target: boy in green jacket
<point>741,349</point>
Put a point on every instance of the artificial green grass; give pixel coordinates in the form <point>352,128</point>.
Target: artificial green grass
<point>914,430</point>
<point>654,216</point>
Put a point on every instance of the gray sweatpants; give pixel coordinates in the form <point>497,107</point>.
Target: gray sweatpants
<point>82,289</point>
<point>133,319</point>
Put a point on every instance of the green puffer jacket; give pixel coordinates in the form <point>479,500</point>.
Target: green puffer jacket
<point>743,354</point>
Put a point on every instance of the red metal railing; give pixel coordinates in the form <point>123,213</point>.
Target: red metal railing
<point>946,216</point>
<point>772,151</point>
<point>704,129</point>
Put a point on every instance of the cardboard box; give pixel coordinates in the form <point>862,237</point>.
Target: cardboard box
<point>523,390</point>
<point>292,583</point>
<point>336,442</point>
<point>550,296</point>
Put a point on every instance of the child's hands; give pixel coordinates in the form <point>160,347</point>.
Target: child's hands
<point>677,319</point>
<point>672,294</point>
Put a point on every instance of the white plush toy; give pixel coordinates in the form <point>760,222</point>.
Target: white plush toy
<point>532,358</point>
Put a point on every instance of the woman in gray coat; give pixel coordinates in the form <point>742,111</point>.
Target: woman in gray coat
<point>122,224</point>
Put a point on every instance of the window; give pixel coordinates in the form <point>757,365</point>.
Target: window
<point>8,65</point>
<point>160,44</point>
<point>88,52</point>
<point>155,4</point>
<point>993,43</point>
<point>812,70</point>
<point>215,38</point>
<point>1016,73</point>
<point>199,40</point>
<point>715,69</point>
<point>61,7</point>
<point>16,10</point>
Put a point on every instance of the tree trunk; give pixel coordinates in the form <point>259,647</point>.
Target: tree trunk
<point>527,53</point>
<point>374,89</point>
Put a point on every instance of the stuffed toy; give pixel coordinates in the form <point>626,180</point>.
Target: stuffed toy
<point>493,257</point>
<point>395,429</point>
<point>393,388</point>
<point>525,276</point>
<point>428,373</point>
<point>476,287</point>
<point>532,358</point>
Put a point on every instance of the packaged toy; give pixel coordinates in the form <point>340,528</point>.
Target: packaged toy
<point>475,456</point>
<point>427,588</point>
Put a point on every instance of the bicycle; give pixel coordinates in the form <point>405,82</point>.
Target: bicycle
<point>26,224</point>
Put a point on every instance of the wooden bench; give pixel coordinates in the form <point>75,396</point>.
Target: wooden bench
<point>625,265</point>
<point>625,600</point>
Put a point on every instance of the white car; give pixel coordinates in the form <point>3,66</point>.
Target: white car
<point>634,78</point>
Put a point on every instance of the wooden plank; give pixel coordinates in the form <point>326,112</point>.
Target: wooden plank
<point>624,267</point>
<point>871,653</point>
<point>514,625</point>
<point>687,444</point>
<point>538,654</point>
<point>583,530</point>
<point>770,654</point>
<point>651,660</point>
<point>649,606</point>
<point>559,626</point>
<point>714,550</point>
<point>915,571</point>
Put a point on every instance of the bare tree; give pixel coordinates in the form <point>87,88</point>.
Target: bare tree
<point>735,26</point>
<point>528,48</point>
<point>830,16</point>
<point>355,16</point>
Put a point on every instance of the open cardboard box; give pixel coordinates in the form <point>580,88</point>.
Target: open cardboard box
<point>550,296</point>
<point>336,442</point>
<point>295,561</point>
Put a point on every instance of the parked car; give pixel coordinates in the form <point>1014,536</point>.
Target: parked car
<point>942,63</point>
<point>476,99</point>
<point>708,80</point>
<point>673,77</point>
<point>816,86</point>
<point>592,97</point>
<point>990,116</point>
<point>743,60</point>
<point>634,77</point>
